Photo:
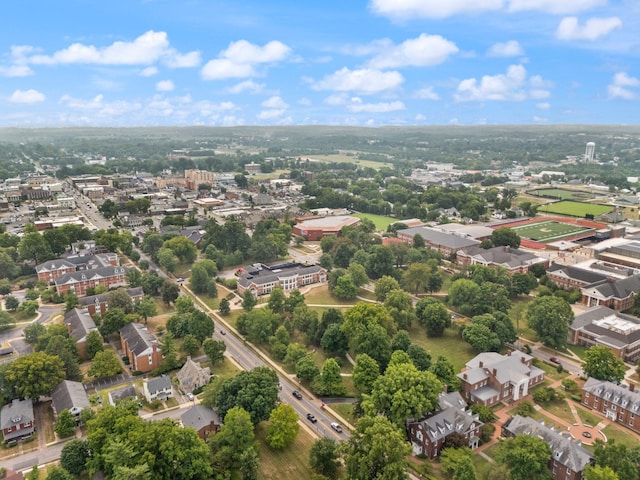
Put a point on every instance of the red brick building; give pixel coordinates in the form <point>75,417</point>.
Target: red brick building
<point>140,347</point>
<point>618,294</point>
<point>616,403</point>
<point>79,282</point>
<point>261,280</point>
<point>490,378</point>
<point>512,260</point>
<point>317,228</point>
<point>202,419</point>
<point>16,420</point>
<point>100,303</point>
<point>51,270</point>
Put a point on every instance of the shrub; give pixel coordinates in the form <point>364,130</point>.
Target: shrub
<point>486,432</point>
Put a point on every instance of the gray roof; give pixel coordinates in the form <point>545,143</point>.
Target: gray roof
<point>615,394</point>
<point>579,274</point>
<point>137,337</point>
<point>564,449</point>
<point>15,413</point>
<point>511,368</point>
<point>104,297</point>
<point>451,399</point>
<point>80,323</point>
<point>158,384</point>
<point>450,420</point>
<point>51,265</point>
<point>274,273</point>
<point>91,274</point>
<point>438,238</point>
<point>612,327</point>
<point>122,393</point>
<point>503,256</point>
<point>70,396</point>
<point>621,289</point>
<point>192,376</point>
<point>200,416</point>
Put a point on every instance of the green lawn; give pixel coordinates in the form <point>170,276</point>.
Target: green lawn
<point>586,416</point>
<point>450,345</point>
<point>561,194</point>
<point>379,221</point>
<point>550,230</point>
<point>560,408</point>
<point>345,410</point>
<point>321,296</point>
<point>575,209</point>
<point>483,467</point>
<point>578,350</point>
<point>343,158</point>
<point>621,435</point>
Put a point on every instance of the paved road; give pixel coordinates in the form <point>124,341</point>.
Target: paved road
<point>15,336</point>
<point>569,365</point>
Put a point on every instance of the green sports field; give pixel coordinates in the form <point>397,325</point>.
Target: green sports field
<point>561,194</point>
<point>575,209</point>
<point>549,231</point>
<point>381,222</point>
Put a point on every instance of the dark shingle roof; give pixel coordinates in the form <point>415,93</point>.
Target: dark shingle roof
<point>273,274</point>
<point>436,237</point>
<point>92,274</point>
<point>80,323</point>
<point>68,395</point>
<point>580,274</point>
<point>617,395</point>
<point>200,416</point>
<point>137,337</point>
<point>158,383</point>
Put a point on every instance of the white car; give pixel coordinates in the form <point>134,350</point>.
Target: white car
<point>190,396</point>
<point>336,427</point>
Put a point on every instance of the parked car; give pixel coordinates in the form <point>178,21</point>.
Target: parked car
<point>297,394</point>
<point>190,396</point>
<point>554,360</point>
<point>336,427</point>
<point>311,418</point>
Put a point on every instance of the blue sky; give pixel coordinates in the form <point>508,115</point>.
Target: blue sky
<point>349,62</point>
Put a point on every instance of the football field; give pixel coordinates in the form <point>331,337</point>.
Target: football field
<point>549,230</point>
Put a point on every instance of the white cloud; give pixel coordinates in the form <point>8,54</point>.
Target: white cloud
<point>420,118</point>
<point>275,102</point>
<point>15,71</point>
<point>147,49</point>
<point>247,86</point>
<point>165,86</point>
<point>424,51</point>
<point>99,107</point>
<point>27,96</point>
<point>512,48</point>
<point>336,99</point>
<point>406,9</point>
<point>149,72</point>
<point>304,101</point>
<point>538,119</point>
<point>409,9</point>
<point>427,94</point>
<point>357,106</point>
<point>239,59</point>
<point>593,29</point>
<point>620,87</point>
<point>543,105</point>
<point>556,7</point>
<point>271,114</point>
<point>365,81</point>
<point>511,85</point>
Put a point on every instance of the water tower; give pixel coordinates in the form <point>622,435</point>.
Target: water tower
<point>590,152</point>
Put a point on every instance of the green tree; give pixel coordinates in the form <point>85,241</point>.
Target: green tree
<point>235,437</point>
<point>35,375</point>
<point>119,298</point>
<point>443,369</point>
<point>550,317</point>
<point>277,300</point>
<point>358,274</point>
<point>384,286</point>
<point>345,288</point>
<point>334,340</point>
<point>105,364</point>
<point>306,368</point>
<point>401,341</point>
<point>146,308</point>
<point>324,457</point>
<point>481,338</point>
<point>464,295</point>
<point>419,356</point>
<point>256,391</point>
<point>433,315</point>
<point>112,321</point>
<point>249,464</point>
<point>201,326</point>
<point>380,262</point>
<point>224,308</point>
<point>623,460</point>
<point>169,292</point>
<point>29,307</point>
<point>596,472</point>
<point>33,247</point>
<point>365,372</point>
<point>601,363</point>
<point>248,301</point>
<point>376,451</point>
<point>11,303</point>
<point>283,427</point>
<point>183,248</point>
<point>200,278</point>
<point>57,473</point>
<point>505,236</point>
<point>190,345</point>
<point>329,382</point>
<point>403,392</point>
<point>399,304</point>
<point>458,463</point>
<point>485,414</point>
<point>66,425</point>
<point>74,456</point>
<point>526,457</point>
<point>214,350</point>
<point>167,259</point>
<point>416,278</point>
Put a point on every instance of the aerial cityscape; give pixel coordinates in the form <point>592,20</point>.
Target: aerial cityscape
<point>375,240</point>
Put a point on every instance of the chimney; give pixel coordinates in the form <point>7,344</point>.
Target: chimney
<point>632,387</point>
<point>495,372</point>
<point>480,364</point>
<point>507,248</point>
<point>464,375</point>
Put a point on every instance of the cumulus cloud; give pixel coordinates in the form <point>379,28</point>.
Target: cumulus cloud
<point>15,71</point>
<point>358,106</point>
<point>240,58</point>
<point>408,9</point>
<point>424,51</point>
<point>512,48</point>
<point>621,86</point>
<point>147,49</point>
<point>149,72</point>
<point>271,114</point>
<point>543,105</point>
<point>365,81</point>
<point>512,85</point>
<point>165,86</point>
<point>275,102</point>
<point>27,96</point>
<point>246,86</point>
<point>427,94</point>
<point>593,29</point>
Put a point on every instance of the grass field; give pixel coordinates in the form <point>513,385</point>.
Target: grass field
<point>575,209</point>
<point>290,462</point>
<point>549,230</point>
<point>561,194</point>
<point>342,158</point>
<point>379,221</point>
<point>450,345</point>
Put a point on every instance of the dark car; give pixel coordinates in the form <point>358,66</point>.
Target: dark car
<point>297,394</point>
<point>311,418</point>
<point>554,360</point>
